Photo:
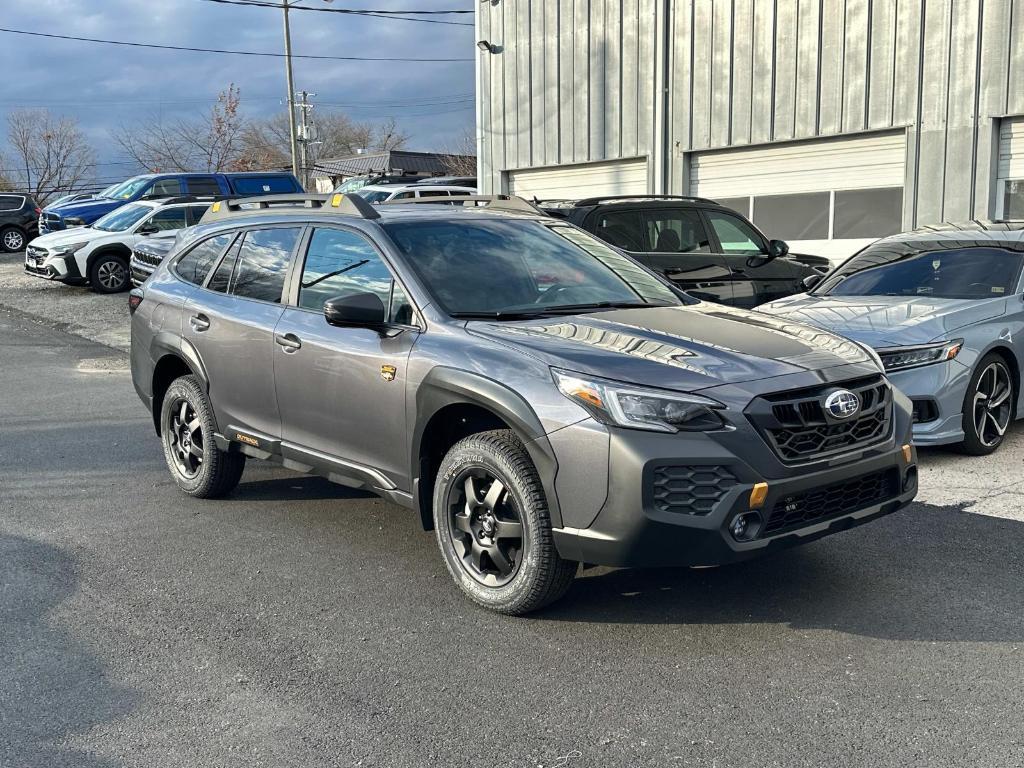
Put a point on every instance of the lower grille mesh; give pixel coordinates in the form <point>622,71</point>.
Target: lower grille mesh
<point>690,490</point>
<point>802,509</point>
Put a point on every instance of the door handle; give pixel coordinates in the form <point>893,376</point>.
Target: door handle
<point>199,323</point>
<point>289,341</point>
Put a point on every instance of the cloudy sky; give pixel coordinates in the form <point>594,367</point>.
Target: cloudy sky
<point>106,86</point>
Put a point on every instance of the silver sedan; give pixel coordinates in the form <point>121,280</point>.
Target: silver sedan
<point>943,308</point>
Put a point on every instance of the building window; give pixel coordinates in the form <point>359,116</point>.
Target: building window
<point>862,213</point>
<point>801,216</point>
<point>738,204</point>
<point>1013,199</point>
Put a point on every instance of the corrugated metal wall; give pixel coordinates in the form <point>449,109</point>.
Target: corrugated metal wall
<point>575,81</point>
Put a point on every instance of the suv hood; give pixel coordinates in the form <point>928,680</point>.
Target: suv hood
<point>679,348</point>
<point>886,321</point>
<point>54,240</point>
<point>90,210</point>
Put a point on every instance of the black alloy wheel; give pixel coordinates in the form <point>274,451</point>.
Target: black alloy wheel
<point>185,435</point>
<point>485,526</point>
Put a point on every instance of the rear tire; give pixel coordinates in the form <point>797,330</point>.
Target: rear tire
<point>988,406</point>
<point>12,240</point>
<point>198,467</point>
<point>496,539</point>
<point>109,273</point>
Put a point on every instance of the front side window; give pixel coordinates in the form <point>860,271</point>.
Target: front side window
<point>123,218</point>
<point>735,235</point>
<point>203,185</point>
<point>195,265</point>
<point>168,219</point>
<point>521,266</point>
<point>958,273</point>
<point>342,263</point>
<point>165,188</point>
<point>260,263</point>
<point>126,190</point>
<point>676,230</point>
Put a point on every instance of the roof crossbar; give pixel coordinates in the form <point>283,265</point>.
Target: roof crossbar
<point>491,202</point>
<point>344,205</point>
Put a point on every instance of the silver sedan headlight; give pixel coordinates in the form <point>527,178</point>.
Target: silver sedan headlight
<point>625,405</point>
<point>901,358</point>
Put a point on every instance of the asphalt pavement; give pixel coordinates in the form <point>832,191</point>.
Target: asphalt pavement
<point>298,623</point>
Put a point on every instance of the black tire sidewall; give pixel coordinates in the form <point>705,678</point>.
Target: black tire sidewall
<point>3,240</point>
<point>972,444</point>
<point>95,269</point>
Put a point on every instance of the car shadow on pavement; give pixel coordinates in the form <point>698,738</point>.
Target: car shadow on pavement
<point>51,686</point>
<point>927,573</point>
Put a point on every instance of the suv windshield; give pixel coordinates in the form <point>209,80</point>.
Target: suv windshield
<point>959,273</point>
<point>122,218</point>
<point>376,196</point>
<point>503,268</point>
<point>126,189</point>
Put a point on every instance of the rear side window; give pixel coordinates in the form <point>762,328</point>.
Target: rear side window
<point>203,185</point>
<point>676,230</point>
<point>169,218</point>
<point>10,202</point>
<point>195,265</point>
<point>260,264</point>
<point>262,185</point>
<point>623,229</point>
<point>195,213</point>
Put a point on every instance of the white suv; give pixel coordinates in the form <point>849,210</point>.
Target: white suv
<point>99,254</point>
<point>385,193</point>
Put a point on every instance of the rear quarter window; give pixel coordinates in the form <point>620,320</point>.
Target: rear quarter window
<point>10,202</point>
<point>195,265</point>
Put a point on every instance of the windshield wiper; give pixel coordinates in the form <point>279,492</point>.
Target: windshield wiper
<point>563,309</point>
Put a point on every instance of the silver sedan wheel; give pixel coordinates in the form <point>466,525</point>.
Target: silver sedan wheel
<point>993,405</point>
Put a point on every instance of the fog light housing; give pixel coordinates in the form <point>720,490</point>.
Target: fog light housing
<point>745,526</point>
<point>910,480</point>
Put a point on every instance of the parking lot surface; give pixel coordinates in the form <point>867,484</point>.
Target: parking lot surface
<point>298,623</point>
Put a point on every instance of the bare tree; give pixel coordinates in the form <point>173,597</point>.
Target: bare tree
<point>54,153</point>
<point>461,158</point>
<point>212,143</point>
<point>390,136</point>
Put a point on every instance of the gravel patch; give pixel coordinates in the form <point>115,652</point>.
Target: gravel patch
<point>75,309</point>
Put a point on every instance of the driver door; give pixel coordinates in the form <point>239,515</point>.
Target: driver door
<point>341,391</point>
<point>756,278</point>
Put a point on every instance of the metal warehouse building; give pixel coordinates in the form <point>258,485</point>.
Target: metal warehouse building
<point>828,122</point>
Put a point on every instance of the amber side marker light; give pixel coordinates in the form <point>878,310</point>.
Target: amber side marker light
<point>758,495</point>
<point>908,453</point>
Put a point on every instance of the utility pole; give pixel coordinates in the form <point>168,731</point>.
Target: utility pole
<point>306,135</point>
<point>285,4</point>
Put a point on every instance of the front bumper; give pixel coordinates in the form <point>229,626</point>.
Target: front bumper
<point>140,271</point>
<point>63,268</point>
<point>942,388</point>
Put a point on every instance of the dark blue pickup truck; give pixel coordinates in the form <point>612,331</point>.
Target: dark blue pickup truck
<point>77,213</point>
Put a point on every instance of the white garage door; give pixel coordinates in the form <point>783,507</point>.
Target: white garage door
<point>1010,174</point>
<point>826,196</point>
<point>573,182</point>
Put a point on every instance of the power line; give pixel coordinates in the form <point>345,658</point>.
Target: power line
<point>396,15</point>
<point>227,51</point>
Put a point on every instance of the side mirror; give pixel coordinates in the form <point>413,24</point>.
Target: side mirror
<point>147,229</point>
<point>355,310</point>
<point>777,248</point>
<point>810,281</point>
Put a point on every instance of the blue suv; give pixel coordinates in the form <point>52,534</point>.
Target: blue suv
<point>77,213</point>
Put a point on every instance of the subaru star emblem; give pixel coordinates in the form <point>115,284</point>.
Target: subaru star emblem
<point>842,404</point>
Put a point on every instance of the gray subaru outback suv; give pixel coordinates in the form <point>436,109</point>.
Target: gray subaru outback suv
<point>541,399</point>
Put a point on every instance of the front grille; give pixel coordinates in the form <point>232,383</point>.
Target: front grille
<point>798,429</point>
<point>801,509</point>
<point>141,254</point>
<point>50,221</point>
<point>689,489</point>
<point>140,273</point>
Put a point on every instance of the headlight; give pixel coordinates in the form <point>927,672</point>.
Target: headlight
<point>897,359</point>
<point>67,250</point>
<point>639,408</point>
<point>875,357</point>
<point>74,221</point>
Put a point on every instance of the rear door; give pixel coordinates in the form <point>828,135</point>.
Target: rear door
<point>671,241</point>
<point>756,278</point>
<point>231,324</point>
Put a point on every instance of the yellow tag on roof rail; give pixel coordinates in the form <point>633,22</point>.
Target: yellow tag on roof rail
<point>216,207</point>
<point>336,200</point>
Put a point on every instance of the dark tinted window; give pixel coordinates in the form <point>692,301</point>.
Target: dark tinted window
<point>896,270</point>
<point>492,265</point>
<point>793,217</point>
<point>10,202</point>
<point>735,235</point>
<point>195,264</point>
<point>263,185</point>
<point>868,213</point>
<point>623,229</point>
<point>195,213</point>
<point>203,185</point>
<point>164,188</point>
<point>340,263</point>
<point>262,262</point>
<point>675,230</point>
<point>434,193</point>
<point>171,218</point>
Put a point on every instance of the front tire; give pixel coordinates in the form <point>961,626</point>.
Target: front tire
<point>198,467</point>
<point>493,526</point>
<point>109,273</point>
<point>988,406</point>
<point>12,239</point>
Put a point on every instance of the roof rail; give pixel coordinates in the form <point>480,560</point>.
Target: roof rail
<point>345,205</point>
<point>605,198</point>
<point>493,202</point>
<point>190,199</point>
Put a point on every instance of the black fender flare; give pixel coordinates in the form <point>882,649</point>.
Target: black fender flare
<point>166,344</point>
<point>118,249</point>
<point>444,386</point>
